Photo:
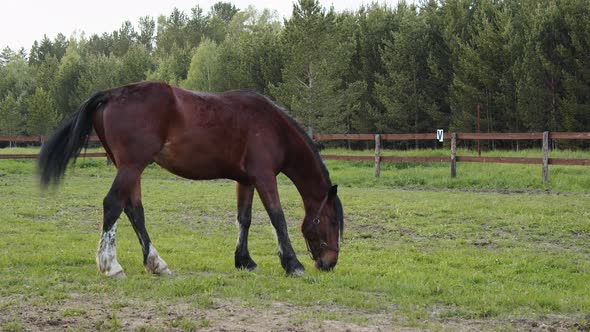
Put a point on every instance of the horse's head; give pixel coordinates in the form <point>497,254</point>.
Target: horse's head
<point>322,231</point>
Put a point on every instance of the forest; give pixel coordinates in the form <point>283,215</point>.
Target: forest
<point>408,68</point>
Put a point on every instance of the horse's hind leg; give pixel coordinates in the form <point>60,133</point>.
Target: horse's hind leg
<point>245,194</point>
<point>125,194</point>
<point>151,260</point>
<point>106,256</point>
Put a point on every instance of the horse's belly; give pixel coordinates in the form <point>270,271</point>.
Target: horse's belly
<point>198,164</point>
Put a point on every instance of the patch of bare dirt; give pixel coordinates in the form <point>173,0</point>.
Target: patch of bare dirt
<point>84,313</point>
<point>94,313</point>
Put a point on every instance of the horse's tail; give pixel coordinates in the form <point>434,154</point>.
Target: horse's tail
<point>67,141</point>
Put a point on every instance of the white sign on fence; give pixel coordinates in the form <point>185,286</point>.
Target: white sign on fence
<point>439,135</point>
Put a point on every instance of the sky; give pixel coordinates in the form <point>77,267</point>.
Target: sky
<point>24,21</point>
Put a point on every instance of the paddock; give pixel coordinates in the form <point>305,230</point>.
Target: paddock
<point>414,257</point>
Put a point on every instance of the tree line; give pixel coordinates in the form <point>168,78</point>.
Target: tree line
<point>403,69</point>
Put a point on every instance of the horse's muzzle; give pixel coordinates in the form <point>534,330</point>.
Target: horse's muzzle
<point>325,266</point>
<point>327,260</point>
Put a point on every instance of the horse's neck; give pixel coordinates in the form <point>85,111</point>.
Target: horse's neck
<point>306,172</point>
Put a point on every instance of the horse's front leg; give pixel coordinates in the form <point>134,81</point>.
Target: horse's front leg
<point>245,194</point>
<point>267,189</point>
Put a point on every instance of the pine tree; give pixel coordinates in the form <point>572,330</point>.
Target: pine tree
<point>147,30</point>
<point>123,39</point>
<point>6,55</point>
<point>99,45</point>
<point>403,89</point>
<point>170,34</point>
<point>375,25</point>
<point>260,48</point>
<point>96,72</point>
<point>196,27</point>
<point>45,48</point>
<point>540,70</point>
<point>310,76</point>
<point>134,65</point>
<point>10,116</point>
<point>440,71</point>
<point>34,54</point>
<point>66,90</point>
<point>173,67</point>
<point>42,116</point>
<point>15,75</point>
<point>60,45</point>
<point>483,71</point>
<point>220,15</point>
<point>46,73</point>
<point>576,66</point>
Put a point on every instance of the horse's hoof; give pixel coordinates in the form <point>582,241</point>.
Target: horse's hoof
<point>251,268</point>
<point>293,267</point>
<point>116,275</point>
<point>248,266</point>
<point>244,262</point>
<point>297,273</point>
<point>159,271</point>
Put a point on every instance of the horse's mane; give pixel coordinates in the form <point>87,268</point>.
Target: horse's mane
<point>310,143</point>
<point>318,159</point>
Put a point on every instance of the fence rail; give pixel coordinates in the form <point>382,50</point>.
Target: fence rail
<point>460,136</point>
<point>35,139</point>
<point>545,161</point>
<point>41,140</point>
<point>34,156</point>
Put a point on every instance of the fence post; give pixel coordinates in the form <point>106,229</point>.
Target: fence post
<point>545,156</point>
<point>453,155</point>
<point>377,155</point>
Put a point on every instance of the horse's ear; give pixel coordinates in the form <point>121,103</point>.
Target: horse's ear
<point>333,191</point>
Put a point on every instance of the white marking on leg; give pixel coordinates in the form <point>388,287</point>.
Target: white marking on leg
<point>239,241</point>
<point>279,244</point>
<point>298,273</point>
<point>106,256</point>
<point>155,264</point>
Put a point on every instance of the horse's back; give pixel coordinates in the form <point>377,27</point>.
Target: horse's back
<point>226,135</point>
<point>194,135</point>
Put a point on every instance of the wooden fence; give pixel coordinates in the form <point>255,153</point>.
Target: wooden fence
<point>40,140</point>
<point>545,161</point>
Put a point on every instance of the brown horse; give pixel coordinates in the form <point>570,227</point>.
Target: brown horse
<point>237,135</point>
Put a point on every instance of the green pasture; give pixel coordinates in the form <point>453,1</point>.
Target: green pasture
<point>493,249</point>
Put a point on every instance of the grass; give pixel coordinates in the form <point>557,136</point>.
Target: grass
<point>417,252</point>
